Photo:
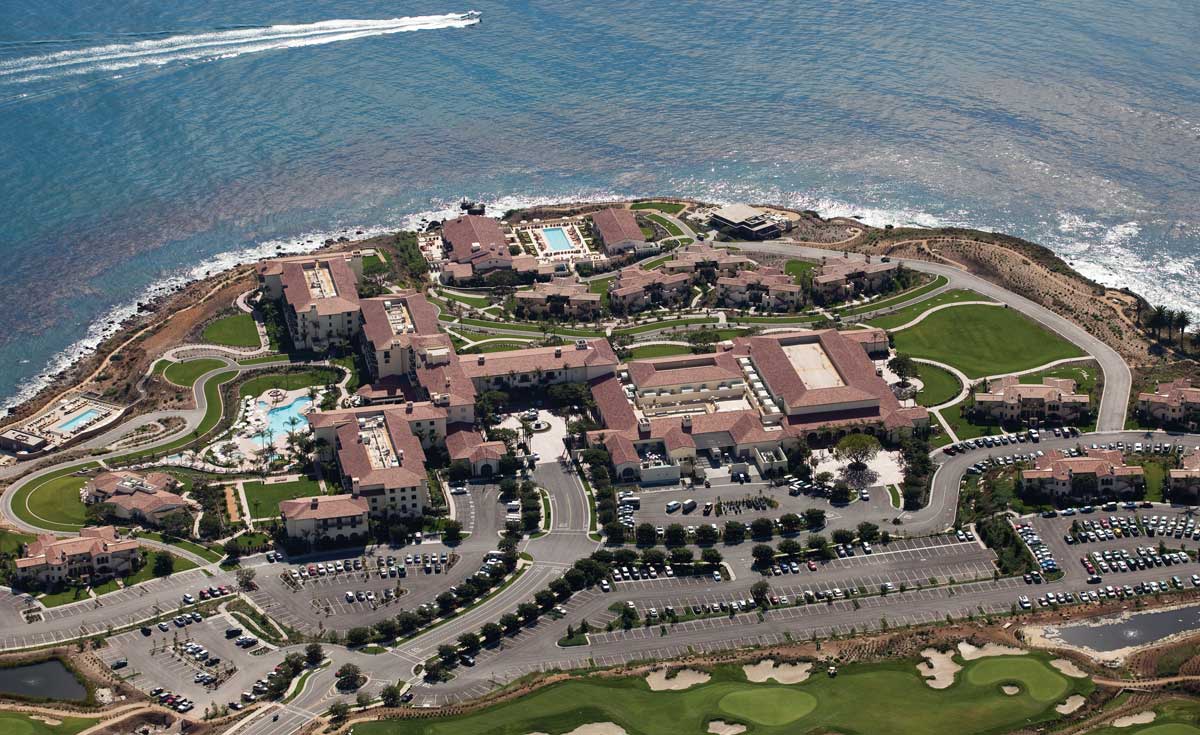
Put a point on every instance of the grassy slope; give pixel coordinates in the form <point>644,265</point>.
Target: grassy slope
<point>186,373</point>
<point>237,330</point>
<point>984,340</point>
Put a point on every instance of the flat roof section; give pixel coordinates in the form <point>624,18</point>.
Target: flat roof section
<point>812,364</point>
<point>320,280</point>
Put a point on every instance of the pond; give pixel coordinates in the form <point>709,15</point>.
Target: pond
<point>42,680</point>
<point>1140,629</point>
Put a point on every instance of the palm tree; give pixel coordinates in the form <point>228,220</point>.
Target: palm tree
<point>1182,321</point>
<point>1158,319</point>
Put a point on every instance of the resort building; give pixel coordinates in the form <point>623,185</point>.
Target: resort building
<point>142,498</point>
<point>1183,483</point>
<point>476,245</point>
<point>1175,403</point>
<point>319,296</point>
<point>1054,400</point>
<point>842,278</point>
<point>747,223</point>
<point>700,257</point>
<point>635,289</point>
<point>768,289</point>
<point>580,362</point>
<point>467,445</point>
<point>562,297</point>
<point>1099,473</point>
<point>325,517</point>
<point>752,399</point>
<point>618,232</point>
<point>95,554</point>
<point>410,360</point>
<point>380,451</point>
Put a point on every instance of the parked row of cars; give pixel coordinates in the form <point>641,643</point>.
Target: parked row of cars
<point>1110,592</point>
<point>1041,552</point>
<point>177,702</point>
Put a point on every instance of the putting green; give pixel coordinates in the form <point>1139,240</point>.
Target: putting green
<point>771,706</point>
<point>1032,675</point>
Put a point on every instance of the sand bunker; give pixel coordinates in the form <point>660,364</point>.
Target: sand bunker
<point>53,722</point>
<point>970,653</point>
<point>1010,690</point>
<point>595,728</point>
<point>1068,667</point>
<point>721,727</point>
<point>1071,704</point>
<point>939,669</point>
<point>1141,718</point>
<point>683,679</point>
<point>768,669</point>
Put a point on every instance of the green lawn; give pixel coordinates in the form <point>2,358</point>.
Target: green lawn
<point>908,313</point>
<point>658,351</point>
<point>901,703</point>
<point>11,542</point>
<point>237,330</point>
<point>16,723</point>
<point>478,302</point>
<point>261,359</point>
<point>963,428</point>
<point>55,503</point>
<point>201,551</point>
<point>294,380</point>
<point>800,270</point>
<point>1154,472</point>
<point>186,374</point>
<point>264,499</point>
<point>356,365</point>
<point>159,367</point>
<point>499,347</point>
<point>146,573</point>
<point>655,262</point>
<point>527,327</point>
<point>939,385</point>
<point>671,228</point>
<point>668,207</point>
<point>984,340</point>
<point>899,298</point>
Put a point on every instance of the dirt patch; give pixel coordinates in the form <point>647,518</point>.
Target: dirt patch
<point>595,728</point>
<point>683,679</point>
<point>970,652</point>
<point>939,668</point>
<point>1068,667</point>
<point>768,669</point>
<point>1010,690</point>
<point>721,727</point>
<point>1071,704</point>
<point>1141,718</point>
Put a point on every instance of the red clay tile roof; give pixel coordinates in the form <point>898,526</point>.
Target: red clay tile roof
<point>297,293</point>
<point>598,353</point>
<point>463,442</point>
<point>323,507</point>
<point>464,232</point>
<point>617,226</point>
<point>1100,462</point>
<point>49,549</point>
<point>685,369</point>
<point>378,330</point>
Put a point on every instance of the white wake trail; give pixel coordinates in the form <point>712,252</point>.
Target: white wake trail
<point>216,45</point>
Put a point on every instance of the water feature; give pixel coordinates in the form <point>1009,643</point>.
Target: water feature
<point>279,418</point>
<point>49,679</point>
<point>1111,634</point>
<point>84,417</point>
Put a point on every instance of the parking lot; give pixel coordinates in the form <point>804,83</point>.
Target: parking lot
<point>158,659</point>
<point>1128,528</point>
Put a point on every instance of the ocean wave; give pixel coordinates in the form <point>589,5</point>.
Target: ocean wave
<point>225,44</point>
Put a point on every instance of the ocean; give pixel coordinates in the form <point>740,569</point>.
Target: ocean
<point>146,143</point>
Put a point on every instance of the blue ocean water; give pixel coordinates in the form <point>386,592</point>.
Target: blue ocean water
<point>148,142</point>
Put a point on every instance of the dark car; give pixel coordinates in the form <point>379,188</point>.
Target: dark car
<point>146,630</point>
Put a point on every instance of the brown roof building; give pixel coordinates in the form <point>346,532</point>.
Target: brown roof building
<point>1055,400</point>
<point>319,294</point>
<point>561,297</point>
<point>842,278</point>
<point>1175,403</point>
<point>1099,473</point>
<point>619,232</point>
<point>481,243</point>
<point>635,289</point>
<point>145,498</point>
<point>768,289</point>
<point>96,553</point>
<point>579,362</point>
<point>334,517</point>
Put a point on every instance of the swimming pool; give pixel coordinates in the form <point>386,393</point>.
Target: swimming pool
<point>279,418</point>
<point>84,417</point>
<point>557,240</point>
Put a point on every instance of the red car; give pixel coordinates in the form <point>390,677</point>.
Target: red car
<point>812,565</point>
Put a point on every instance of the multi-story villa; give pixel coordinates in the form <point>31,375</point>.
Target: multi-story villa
<point>842,278</point>
<point>561,297</point>
<point>332,517</point>
<point>1097,473</point>
<point>636,289</point>
<point>476,245</point>
<point>769,289</point>
<point>1175,403</point>
<point>618,232</point>
<point>1054,400</point>
<point>145,498</point>
<point>96,553</point>
<point>319,296</point>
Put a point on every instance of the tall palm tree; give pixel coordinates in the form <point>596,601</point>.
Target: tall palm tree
<point>1183,320</point>
<point>1158,319</point>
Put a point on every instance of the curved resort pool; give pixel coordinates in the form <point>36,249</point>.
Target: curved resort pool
<point>279,418</point>
<point>68,426</point>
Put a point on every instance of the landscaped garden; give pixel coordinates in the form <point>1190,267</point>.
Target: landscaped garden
<point>186,374</point>
<point>901,702</point>
<point>237,330</point>
<point>637,353</point>
<point>800,270</point>
<point>983,340</point>
<point>938,385</point>
<point>908,313</point>
<point>264,498</point>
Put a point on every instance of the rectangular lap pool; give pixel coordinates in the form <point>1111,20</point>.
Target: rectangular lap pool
<point>556,238</point>
<point>82,418</point>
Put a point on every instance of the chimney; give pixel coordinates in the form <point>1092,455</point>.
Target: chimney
<point>558,352</point>
<point>643,427</point>
<point>408,407</point>
<point>687,423</point>
<point>480,360</point>
<point>313,503</point>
